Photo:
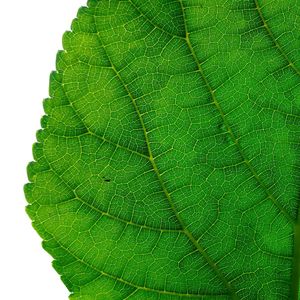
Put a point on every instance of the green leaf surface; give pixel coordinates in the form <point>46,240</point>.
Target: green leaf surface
<point>168,163</point>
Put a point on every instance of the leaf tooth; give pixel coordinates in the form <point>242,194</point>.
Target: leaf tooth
<point>28,188</point>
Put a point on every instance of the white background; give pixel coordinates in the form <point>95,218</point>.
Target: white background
<point>30,35</point>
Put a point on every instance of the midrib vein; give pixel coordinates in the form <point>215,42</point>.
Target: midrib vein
<point>227,126</point>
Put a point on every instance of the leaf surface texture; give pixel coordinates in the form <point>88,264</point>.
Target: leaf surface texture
<point>168,163</point>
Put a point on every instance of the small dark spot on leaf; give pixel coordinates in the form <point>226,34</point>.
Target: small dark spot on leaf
<point>106,179</point>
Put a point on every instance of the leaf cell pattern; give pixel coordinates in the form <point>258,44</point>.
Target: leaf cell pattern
<point>167,166</point>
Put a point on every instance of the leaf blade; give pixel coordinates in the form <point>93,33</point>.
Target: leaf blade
<point>118,117</point>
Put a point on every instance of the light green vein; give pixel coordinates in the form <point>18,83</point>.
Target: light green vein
<point>131,294</point>
<point>228,127</point>
<point>103,139</point>
<point>274,40</point>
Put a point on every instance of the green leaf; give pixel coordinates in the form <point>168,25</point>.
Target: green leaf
<point>168,163</point>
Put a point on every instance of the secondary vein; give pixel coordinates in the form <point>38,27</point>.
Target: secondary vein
<point>274,40</point>
<point>228,127</point>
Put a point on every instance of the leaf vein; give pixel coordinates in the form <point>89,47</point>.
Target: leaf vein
<point>273,38</point>
<point>235,140</point>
